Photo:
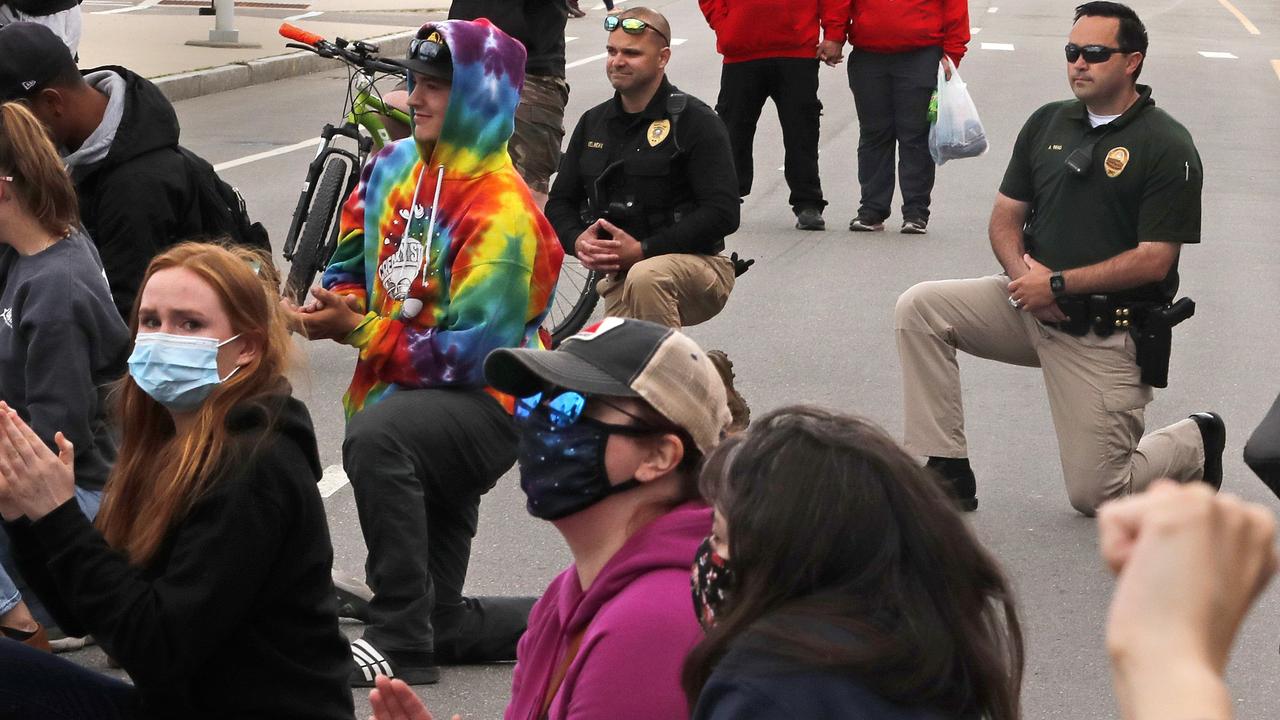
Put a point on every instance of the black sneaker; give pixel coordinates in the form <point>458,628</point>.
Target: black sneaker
<point>1213,433</point>
<point>480,629</point>
<point>810,219</point>
<point>915,226</point>
<point>353,599</point>
<point>414,668</point>
<point>866,223</point>
<point>956,478</point>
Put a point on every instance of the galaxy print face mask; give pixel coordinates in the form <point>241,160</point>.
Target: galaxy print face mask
<point>561,456</point>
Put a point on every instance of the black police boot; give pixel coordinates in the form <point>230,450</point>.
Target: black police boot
<point>1213,433</point>
<point>956,478</point>
<point>353,599</point>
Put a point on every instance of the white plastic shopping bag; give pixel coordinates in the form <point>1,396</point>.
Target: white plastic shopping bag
<point>957,133</point>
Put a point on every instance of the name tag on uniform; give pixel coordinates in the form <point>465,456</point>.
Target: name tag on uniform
<point>592,144</point>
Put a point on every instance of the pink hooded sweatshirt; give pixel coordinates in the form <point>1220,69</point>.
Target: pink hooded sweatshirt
<point>639,623</point>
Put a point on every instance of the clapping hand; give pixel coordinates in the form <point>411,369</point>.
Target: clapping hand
<point>394,700</point>
<point>33,480</point>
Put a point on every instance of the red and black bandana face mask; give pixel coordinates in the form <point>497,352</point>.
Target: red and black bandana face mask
<point>712,581</point>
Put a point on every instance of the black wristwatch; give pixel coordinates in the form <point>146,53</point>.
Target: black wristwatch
<point>1057,284</point>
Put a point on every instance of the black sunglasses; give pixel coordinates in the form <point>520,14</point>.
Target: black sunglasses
<point>631,26</point>
<point>1093,54</point>
<point>427,50</point>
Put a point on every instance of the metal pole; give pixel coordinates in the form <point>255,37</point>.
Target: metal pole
<point>224,26</point>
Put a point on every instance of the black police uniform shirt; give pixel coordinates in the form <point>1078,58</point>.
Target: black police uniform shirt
<point>672,184</point>
<point>1142,184</point>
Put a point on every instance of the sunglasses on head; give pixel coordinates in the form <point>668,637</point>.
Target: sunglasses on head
<point>565,408</point>
<point>426,50</point>
<point>631,26</point>
<point>1093,54</point>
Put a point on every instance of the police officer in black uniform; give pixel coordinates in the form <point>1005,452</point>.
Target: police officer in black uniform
<point>647,191</point>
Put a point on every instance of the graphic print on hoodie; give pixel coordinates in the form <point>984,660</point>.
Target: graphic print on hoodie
<point>442,289</point>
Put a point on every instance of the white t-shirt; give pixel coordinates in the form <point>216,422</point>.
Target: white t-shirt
<point>1096,120</point>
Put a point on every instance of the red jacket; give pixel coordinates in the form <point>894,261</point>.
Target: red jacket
<point>889,26</point>
<point>756,29</point>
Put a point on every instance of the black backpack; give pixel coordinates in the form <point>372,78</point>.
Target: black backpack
<point>222,211</point>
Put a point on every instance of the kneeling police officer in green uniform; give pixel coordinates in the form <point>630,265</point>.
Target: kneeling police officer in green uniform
<point>1100,195</point>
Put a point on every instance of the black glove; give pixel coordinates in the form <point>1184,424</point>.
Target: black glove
<point>740,265</point>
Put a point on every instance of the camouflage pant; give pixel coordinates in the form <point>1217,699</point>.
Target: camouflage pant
<point>535,146</point>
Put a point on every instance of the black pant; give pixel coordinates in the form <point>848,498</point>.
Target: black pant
<point>36,685</point>
<point>891,93</point>
<point>418,461</point>
<point>792,83</point>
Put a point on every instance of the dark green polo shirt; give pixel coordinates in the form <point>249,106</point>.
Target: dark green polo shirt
<point>1143,185</point>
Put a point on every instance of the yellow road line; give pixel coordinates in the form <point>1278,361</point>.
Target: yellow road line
<point>1275,65</point>
<point>1253,29</point>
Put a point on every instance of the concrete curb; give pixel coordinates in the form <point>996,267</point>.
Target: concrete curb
<point>184,86</point>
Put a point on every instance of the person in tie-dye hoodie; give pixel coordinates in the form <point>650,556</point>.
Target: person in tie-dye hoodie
<point>442,257</point>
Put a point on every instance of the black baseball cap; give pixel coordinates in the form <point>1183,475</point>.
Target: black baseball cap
<point>30,56</point>
<point>428,55</point>
<point>624,358</point>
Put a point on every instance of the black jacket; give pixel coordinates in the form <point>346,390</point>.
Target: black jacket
<point>235,616</point>
<point>140,198</point>
<point>748,683</point>
<point>537,24</point>
<point>672,186</point>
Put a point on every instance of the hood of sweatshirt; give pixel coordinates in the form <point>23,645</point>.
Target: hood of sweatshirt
<point>279,410</point>
<point>488,76</point>
<point>138,120</point>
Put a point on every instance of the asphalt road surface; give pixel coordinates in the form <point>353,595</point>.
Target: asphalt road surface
<point>812,321</point>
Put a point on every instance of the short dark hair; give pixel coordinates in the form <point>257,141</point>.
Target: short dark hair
<point>850,559</point>
<point>1132,35</point>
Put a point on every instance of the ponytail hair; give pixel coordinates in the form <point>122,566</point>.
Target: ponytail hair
<point>40,180</point>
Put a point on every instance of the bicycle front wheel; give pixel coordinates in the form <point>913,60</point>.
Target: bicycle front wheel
<point>317,240</point>
<point>574,300</point>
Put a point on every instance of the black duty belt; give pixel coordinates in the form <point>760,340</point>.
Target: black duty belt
<point>1102,314</point>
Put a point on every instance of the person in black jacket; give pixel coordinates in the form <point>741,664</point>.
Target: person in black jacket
<point>840,582</point>
<point>119,136</point>
<point>647,192</point>
<point>207,573</point>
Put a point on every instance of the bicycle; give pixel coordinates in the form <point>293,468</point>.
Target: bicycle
<point>335,171</point>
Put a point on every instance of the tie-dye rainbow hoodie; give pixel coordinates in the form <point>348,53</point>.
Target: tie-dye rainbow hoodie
<point>486,279</point>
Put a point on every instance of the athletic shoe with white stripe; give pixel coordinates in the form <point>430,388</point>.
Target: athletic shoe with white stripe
<point>412,668</point>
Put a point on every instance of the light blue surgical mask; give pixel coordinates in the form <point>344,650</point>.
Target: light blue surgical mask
<point>177,371</point>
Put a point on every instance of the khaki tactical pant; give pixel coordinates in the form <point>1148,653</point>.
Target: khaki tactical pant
<point>1095,394</point>
<point>675,290</point>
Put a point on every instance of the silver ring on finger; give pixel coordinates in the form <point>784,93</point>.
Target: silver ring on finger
<point>1014,303</point>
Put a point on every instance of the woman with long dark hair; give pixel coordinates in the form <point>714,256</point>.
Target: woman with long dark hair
<point>60,340</point>
<point>839,582</point>
<point>207,573</point>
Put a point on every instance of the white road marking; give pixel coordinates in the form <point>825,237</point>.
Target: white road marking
<point>132,8</point>
<point>1218,55</point>
<point>1248,26</point>
<point>570,38</point>
<point>267,154</point>
<point>975,30</point>
<point>993,10</point>
<point>304,16</point>
<point>333,480</point>
<point>1006,47</point>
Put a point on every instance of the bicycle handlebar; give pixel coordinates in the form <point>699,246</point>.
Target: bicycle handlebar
<point>317,44</point>
<point>293,32</point>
